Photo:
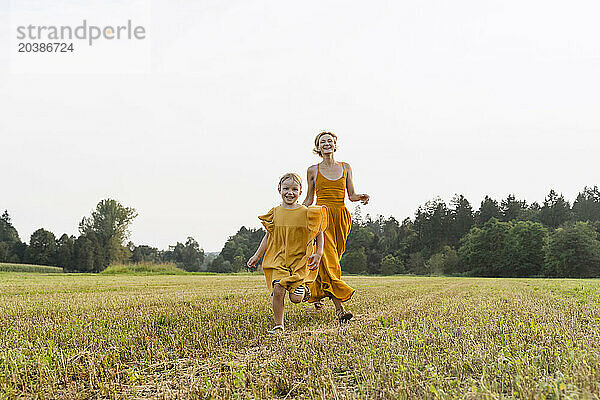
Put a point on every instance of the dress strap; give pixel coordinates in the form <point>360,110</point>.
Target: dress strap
<point>343,169</point>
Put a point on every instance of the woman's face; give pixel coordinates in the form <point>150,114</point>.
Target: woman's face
<point>326,144</point>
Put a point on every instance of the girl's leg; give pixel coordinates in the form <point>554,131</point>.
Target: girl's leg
<point>298,295</point>
<point>278,299</point>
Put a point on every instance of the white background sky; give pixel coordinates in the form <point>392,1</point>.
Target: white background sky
<point>194,125</point>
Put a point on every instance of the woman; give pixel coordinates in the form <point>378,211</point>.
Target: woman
<point>330,180</point>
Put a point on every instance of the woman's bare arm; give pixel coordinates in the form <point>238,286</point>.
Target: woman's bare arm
<point>310,186</point>
<point>352,195</point>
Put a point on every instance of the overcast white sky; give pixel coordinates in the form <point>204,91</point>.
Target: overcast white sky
<point>193,125</point>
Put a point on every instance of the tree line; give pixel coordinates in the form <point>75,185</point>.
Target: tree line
<point>101,242</point>
<point>510,238</point>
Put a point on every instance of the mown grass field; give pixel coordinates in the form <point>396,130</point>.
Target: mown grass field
<point>191,336</point>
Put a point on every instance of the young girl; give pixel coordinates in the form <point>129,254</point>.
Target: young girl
<point>291,261</point>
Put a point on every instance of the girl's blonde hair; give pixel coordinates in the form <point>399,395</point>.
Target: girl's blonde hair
<point>289,175</point>
<point>316,149</point>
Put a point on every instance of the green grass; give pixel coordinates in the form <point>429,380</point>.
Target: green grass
<point>126,336</point>
<point>144,269</point>
<point>44,269</point>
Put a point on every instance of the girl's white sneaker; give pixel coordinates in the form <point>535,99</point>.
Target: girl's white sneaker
<point>277,330</point>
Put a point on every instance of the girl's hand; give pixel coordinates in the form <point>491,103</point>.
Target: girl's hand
<point>314,260</point>
<point>252,262</point>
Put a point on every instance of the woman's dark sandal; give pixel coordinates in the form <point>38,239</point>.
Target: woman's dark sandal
<point>344,316</point>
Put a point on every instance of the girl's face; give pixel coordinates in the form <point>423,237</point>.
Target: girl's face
<point>326,144</point>
<point>290,191</point>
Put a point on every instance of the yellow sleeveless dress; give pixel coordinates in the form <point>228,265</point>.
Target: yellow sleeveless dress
<point>291,242</point>
<point>331,193</point>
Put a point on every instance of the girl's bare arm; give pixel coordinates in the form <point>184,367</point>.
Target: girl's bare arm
<point>319,249</point>
<point>259,252</point>
<point>315,258</point>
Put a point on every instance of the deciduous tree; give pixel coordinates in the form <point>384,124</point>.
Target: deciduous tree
<point>573,252</point>
<point>109,222</point>
<point>42,248</point>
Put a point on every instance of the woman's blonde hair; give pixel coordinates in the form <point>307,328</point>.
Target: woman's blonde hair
<point>289,175</point>
<point>316,149</point>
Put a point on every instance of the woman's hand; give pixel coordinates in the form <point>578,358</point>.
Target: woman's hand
<point>252,262</point>
<point>363,198</point>
<point>314,260</point>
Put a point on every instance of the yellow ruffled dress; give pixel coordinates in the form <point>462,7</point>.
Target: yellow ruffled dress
<point>292,234</point>
<point>331,193</point>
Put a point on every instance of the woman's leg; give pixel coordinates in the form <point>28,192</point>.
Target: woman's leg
<point>339,307</point>
<point>342,315</point>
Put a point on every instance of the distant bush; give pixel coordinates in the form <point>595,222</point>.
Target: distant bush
<point>143,269</point>
<point>29,268</point>
<point>416,264</point>
<point>483,250</point>
<point>444,262</point>
<point>573,252</point>
<point>391,265</point>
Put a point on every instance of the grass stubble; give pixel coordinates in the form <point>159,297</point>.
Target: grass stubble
<point>94,336</point>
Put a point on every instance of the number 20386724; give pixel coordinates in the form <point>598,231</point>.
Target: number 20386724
<point>45,47</point>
